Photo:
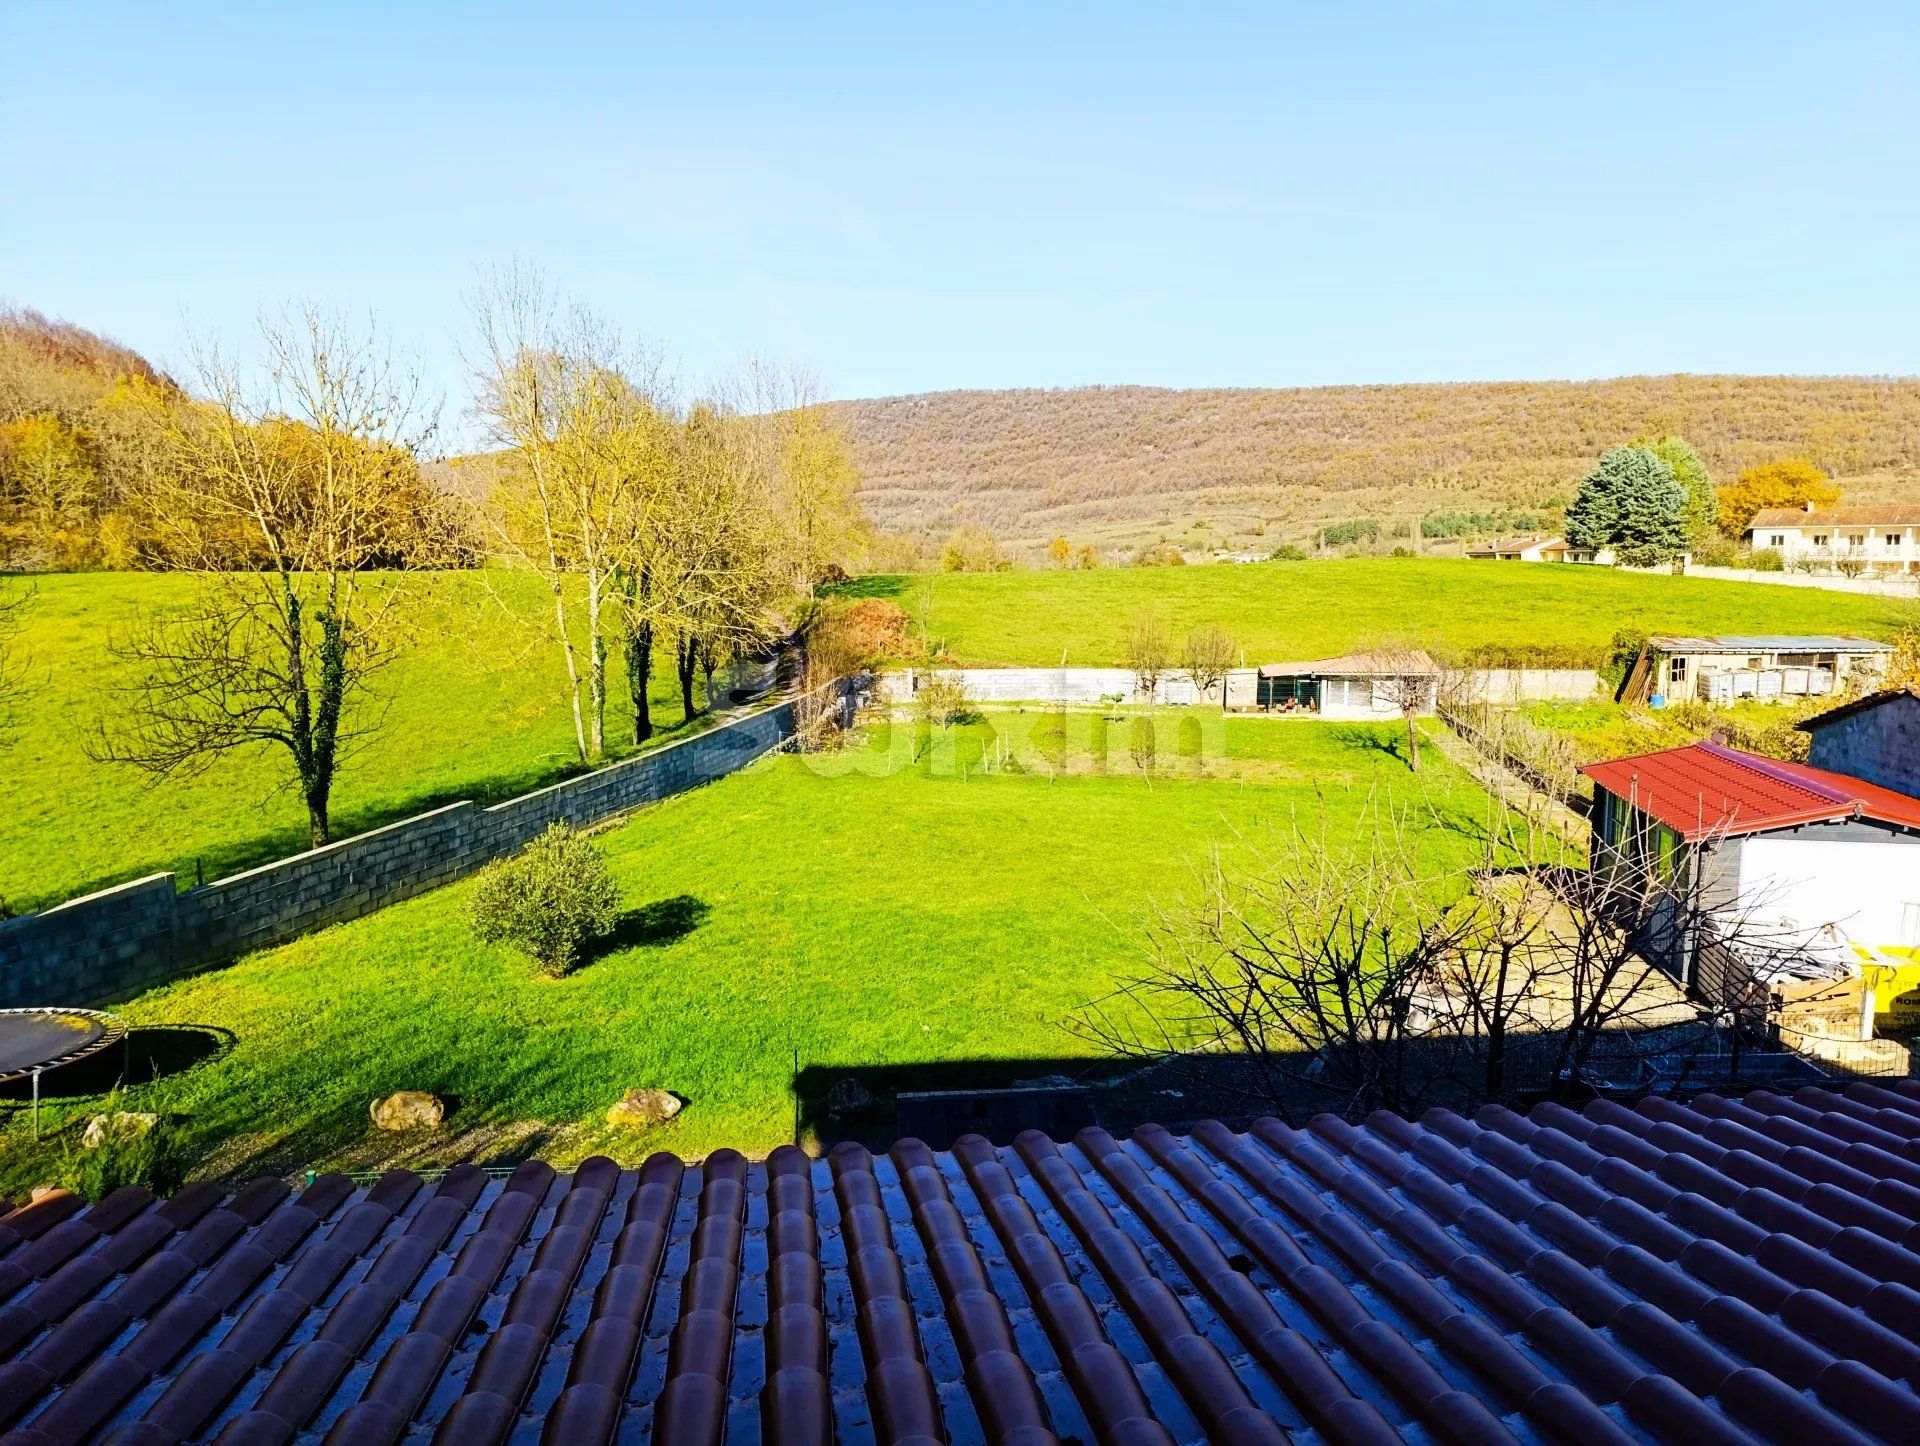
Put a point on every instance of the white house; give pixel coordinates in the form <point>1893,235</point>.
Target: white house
<point>1353,687</point>
<point>1537,549</point>
<point>1883,539</point>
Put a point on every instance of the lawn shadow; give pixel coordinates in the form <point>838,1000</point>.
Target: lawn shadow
<point>142,1057</point>
<point>1372,738</point>
<point>652,926</point>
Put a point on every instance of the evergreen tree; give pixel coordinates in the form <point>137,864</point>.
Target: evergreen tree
<point>1632,504</point>
<point>1703,503</point>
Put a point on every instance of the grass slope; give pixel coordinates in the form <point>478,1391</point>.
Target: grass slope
<point>1297,610</point>
<point>474,710</point>
<point>851,912</point>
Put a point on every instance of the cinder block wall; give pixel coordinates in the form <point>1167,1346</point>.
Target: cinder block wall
<point>125,939</point>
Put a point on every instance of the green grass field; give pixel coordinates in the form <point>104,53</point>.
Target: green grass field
<point>475,709</point>
<point>851,911</point>
<point>1289,611</point>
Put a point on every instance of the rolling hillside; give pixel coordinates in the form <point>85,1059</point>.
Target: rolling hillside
<point>1119,465</point>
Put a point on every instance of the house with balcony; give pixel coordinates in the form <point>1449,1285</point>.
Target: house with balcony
<point>1883,540</point>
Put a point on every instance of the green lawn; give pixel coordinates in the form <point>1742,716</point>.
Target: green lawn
<point>854,911</point>
<point>1293,610</point>
<point>475,709</point>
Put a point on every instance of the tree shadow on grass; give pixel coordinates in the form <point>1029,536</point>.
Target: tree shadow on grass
<point>143,1056</point>
<point>652,926</point>
<point>1371,737</point>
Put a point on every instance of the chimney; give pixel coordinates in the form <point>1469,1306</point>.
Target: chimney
<point>1806,507</point>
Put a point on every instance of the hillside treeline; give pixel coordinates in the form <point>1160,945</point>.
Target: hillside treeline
<point>97,447</point>
<point>1033,464</point>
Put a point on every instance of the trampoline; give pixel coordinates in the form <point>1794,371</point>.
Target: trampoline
<point>33,1041</point>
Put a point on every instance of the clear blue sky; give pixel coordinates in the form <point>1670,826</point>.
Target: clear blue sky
<point>1198,195</point>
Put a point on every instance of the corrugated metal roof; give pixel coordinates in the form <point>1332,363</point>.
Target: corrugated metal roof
<point>1705,789</point>
<point>1721,1270</point>
<point>1764,643</point>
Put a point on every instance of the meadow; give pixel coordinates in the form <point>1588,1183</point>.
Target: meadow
<point>473,709</point>
<point>888,906</point>
<point>1280,611</point>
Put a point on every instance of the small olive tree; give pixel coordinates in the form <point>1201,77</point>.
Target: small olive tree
<point>548,900</point>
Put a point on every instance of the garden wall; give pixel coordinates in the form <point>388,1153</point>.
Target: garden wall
<point>1090,685</point>
<point>128,938</point>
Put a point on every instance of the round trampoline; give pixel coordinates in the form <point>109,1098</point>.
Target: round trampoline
<point>35,1040</point>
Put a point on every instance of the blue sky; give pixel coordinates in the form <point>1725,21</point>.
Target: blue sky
<point>1020,196</point>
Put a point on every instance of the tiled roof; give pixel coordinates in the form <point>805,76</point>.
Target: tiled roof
<point>1713,1271</point>
<point>1513,544</point>
<point>1706,788</point>
<point>1412,662</point>
<point>1892,516</point>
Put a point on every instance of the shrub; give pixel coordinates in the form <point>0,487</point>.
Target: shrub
<point>548,900</point>
<point>1287,552</point>
<point>874,629</point>
<point>1141,743</point>
<point>1158,554</point>
<point>942,701</point>
<point>1767,559</point>
<point>147,1158</point>
<point>1402,552</point>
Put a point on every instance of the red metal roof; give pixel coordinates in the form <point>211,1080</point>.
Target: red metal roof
<point>1716,1271</point>
<point>1707,788</point>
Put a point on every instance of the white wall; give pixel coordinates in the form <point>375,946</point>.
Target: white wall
<point>1860,884</point>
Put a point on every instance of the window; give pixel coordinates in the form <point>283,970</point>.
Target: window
<point>1819,539</point>
<point>1677,670</point>
<point>1856,539</point>
<point>1892,539</point>
<point>1778,539</point>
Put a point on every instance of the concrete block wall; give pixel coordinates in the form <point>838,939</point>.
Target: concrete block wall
<point>120,941</point>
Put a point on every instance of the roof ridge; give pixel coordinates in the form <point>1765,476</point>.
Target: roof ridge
<point>1770,768</point>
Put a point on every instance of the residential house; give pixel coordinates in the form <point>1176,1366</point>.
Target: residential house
<point>1815,852</point>
<point>1769,667</point>
<point>1537,549</point>
<point>1876,738</point>
<point>1354,686</point>
<point>1882,539</point>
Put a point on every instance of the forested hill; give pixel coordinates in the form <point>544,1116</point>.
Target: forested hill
<point>1125,463</point>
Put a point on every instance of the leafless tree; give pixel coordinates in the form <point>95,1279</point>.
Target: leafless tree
<point>1207,658</point>
<point>284,510</point>
<point>1408,678</point>
<point>1340,972</point>
<point>1149,652</point>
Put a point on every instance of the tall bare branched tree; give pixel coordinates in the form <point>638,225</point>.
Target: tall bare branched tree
<point>1409,681</point>
<point>1149,652</point>
<point>288,499</point>
<point>573,408</point>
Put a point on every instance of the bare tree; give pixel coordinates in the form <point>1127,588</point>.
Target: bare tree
<point>288,497</point>
<point>1339,972</point>
<point>574,408</point>
<point>1207,658</point>
<point>1409,680</point>
<point>1149,652</point>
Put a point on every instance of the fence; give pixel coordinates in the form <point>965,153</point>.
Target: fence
<point>124,939</point>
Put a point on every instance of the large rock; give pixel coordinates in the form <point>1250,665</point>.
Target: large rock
<point>120,1128</point>
<point>642,1108</point>
<point>408,1110</point>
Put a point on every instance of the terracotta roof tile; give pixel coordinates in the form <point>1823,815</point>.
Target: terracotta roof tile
<point>1713,1270</point>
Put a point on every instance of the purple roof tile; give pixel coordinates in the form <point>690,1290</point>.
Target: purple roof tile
<point>1714,1270</point>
